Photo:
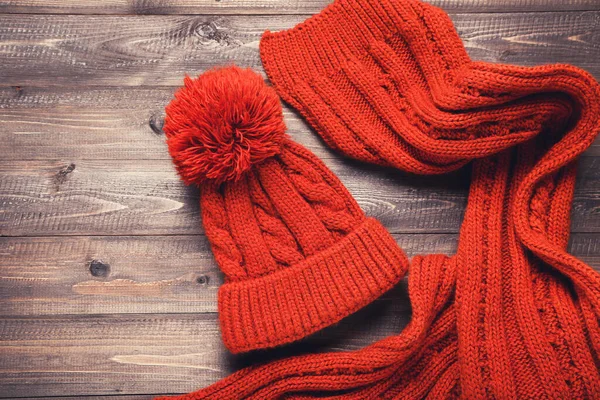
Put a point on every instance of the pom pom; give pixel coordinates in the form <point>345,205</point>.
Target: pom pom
<point>221,124</point>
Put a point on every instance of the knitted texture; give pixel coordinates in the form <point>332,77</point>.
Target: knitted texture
<point>297,251</point>
<point>511,315</point>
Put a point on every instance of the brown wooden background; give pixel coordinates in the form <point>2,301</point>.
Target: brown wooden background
<point>107,284</point>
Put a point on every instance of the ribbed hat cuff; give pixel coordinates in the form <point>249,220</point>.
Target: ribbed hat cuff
<point>295,302</point>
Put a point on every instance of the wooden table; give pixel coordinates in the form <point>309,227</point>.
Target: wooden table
<point>108,286</point>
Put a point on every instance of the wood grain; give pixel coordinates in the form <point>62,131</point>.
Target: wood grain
<point>99,123</point>
<point>265,6</point>
<point>59,50</point>
<point>107,284</point>
<point>149,274</point>
<point>92,123</point>
<point>146,353</point>
<point>100,397</point>
<point>154,353</point>
<point>145,197</point>
<point>120,354</point>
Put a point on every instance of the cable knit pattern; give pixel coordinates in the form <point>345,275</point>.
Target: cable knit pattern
<point>511,315</point>
<point>297,250</point>
<point>330,199</point>
<point>216,225</point>
<point>281,243</point>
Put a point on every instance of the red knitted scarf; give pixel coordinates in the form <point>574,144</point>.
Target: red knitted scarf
<point>511,314</point>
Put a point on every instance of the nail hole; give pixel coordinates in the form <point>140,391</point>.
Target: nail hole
<point>202,280</point>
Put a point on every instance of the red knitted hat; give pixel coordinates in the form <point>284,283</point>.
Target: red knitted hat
<point>511,315</point>
<point>297,251</point>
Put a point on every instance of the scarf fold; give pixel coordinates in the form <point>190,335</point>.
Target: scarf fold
<point>511,315</point>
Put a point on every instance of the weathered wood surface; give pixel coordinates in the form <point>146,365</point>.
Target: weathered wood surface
<point>99,123</point>
<point>59,50</point>
<point>145,197</point>
<point>100,397</point>
<point>157,353</point>
<point>153,353</point>
<point>107,285</point>
<point>126,354</point>
<point>148,274</point>
<point>89,123</point>
<point>276,7</point>
<point>143,274</point>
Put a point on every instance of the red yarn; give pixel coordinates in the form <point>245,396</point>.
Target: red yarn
<point>511,315</point>
<point>221,124</point>
<point>273,224</point>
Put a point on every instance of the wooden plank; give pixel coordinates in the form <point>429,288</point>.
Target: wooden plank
<point>105,275</point>
<point>119,354</point>
<point>148,7</point>
<point>93,355</point>
<point>105,123</point>
<point>101,397</point>
<point>59,50</point>
<point>154,353</point>
<point>99,123</point>
<point>148,274</point>
<point>144,274</point>
<point>145,197</point>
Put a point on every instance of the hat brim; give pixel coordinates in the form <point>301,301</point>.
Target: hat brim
<point>293,303</point>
